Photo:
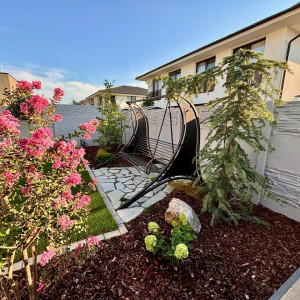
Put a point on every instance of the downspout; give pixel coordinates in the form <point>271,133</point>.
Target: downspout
<point>287,58</point>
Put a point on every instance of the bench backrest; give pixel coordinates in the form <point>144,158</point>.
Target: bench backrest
<point>164,150</point>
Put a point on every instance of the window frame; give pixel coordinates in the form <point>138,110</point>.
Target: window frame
<point>155,93</point>
<point>257,75</point>
<point>248,45</point>
<point>206,64</point>
<point>175,73</point>
<point>131,98</point>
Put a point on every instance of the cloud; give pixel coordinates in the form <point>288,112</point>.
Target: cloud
<point>52,78</point>
<point>141,84</point>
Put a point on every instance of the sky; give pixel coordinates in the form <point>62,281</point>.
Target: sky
<point>75,45</point>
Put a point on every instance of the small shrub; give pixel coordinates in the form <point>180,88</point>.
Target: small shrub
<point>148,209</point>
<point>185,187</point>
<point>123,199</point>
<point>102,156</point>
<point>177,249</point>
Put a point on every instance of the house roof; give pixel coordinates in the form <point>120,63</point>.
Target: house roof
<point>145,75</point>
<point>124,90</point>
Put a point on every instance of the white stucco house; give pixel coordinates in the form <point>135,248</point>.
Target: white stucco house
<point>119,94</point>
<point>277,36</point>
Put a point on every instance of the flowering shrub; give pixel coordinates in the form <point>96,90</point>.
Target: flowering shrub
<point>37,175</point>
<point>177,249</point>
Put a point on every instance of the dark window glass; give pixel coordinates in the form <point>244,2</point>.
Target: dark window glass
<point>131,98</point>
<point>157,86</point>
<point>175,74</point>
<point>113,99</point>
<point>203,65</point>
<point>258,46</point>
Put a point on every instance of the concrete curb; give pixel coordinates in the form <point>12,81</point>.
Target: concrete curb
<point>286,287</point>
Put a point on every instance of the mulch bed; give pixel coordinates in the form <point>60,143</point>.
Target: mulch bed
<point>90,154</point>
<point>91,151</point>
<point>226,261</point>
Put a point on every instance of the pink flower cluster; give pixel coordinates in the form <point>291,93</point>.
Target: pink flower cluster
<point>26,86</point>
<point>11,178</point>
<point>64,222</point>
<point>40,287</point>
<point>69,155</point>
<point>47,256</point>
<point>92,186</point>
<point>35,104</point>
<point>56,118</point>
<point>93,240</point>
<point>58,93</point>
<point>5,145</point>
<point>73,180</point>
<point>38,143</point>
<point>89,127</point>
<point>85,200</point>
<point>63,199</point>
<point>8,123</point>
<point>36,85</point>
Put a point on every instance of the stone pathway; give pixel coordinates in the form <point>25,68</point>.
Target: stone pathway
<point>125,182</point>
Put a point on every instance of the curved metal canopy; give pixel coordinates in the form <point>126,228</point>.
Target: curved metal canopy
<point>182,164</point>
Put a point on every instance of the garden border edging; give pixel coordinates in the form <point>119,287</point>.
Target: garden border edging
<point>286,286</point>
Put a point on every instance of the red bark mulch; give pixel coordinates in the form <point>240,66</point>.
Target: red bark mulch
<point>247,261</point>
<point>90,154</point>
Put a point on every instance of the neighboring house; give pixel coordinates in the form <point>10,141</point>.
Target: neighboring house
<point>7,81</point>
<point>119,95</point>
<point>277,37</point>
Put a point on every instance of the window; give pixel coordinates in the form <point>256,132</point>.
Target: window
<point>113,99</point>
<point>203,65</point>
<point>175,74</point>
<point>131,98</point>
<point>258,46</point>
<point>157,85</point>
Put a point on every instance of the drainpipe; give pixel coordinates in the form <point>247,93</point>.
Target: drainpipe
<point>287,58</point>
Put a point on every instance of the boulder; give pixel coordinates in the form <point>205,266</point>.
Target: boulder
<point>178,207</point>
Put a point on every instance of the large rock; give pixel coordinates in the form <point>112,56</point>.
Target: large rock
<point>178,207</point>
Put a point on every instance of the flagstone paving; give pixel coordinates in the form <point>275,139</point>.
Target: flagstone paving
<point>125,182</point>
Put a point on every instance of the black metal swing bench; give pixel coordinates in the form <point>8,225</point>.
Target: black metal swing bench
<point>175,160</point>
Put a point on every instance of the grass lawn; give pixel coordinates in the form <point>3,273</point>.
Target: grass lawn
<point>99,220</point>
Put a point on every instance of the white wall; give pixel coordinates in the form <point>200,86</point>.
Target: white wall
<point>275,48</point>
<point>73,115</point>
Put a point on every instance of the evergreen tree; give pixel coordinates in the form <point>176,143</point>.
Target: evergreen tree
<point>235,119</point>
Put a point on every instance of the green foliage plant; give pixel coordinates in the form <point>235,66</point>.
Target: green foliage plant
<point>236,119</point>
<point>36,202</point>
<point>110,121</point>
<point>102,156</point>
<point>176,247</point>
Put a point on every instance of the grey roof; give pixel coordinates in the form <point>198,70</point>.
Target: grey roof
<point>125,90</point>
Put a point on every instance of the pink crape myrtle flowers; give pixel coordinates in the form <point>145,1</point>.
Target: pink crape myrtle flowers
<point>89,127</point>
<point>8,123</point>
<point>47,256</point>
<point>73,180</point>
<point>36,103</point>
<point>58,93</point>
<point>93,240</point>
<point>40,141</point>
<point>28,87</point>
<point>40,287</point>
<point>56,118</point>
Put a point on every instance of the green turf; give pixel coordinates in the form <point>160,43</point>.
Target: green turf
<point>99,220</point>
